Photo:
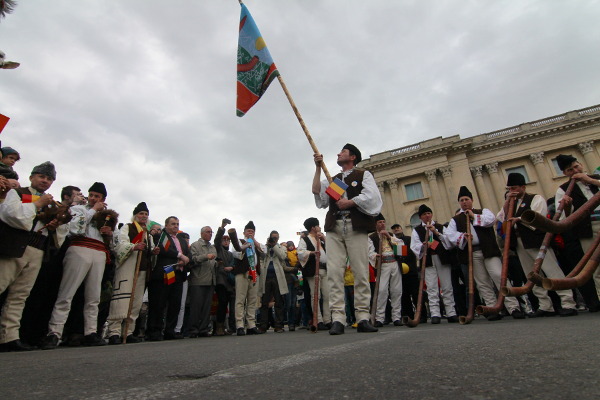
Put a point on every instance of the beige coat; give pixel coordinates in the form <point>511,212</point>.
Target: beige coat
<point>278,258</point>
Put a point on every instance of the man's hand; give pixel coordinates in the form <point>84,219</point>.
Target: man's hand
<point>245,246</point>
<point>183,260</point>
<point>385,234</point>
<point>225,222</point>
<point>106,231</point>
<point>567,201</point>
<point>211,256</point>
<point>99,206</point>
<point>228,269</point>
<point>156,250</point>
<point>52,225</point>
<point>44,200</point>
<point>139,246</point>
<point>345,204</point>
<point>318,158</point>
<point>321,236</point>
<point>470,214</point>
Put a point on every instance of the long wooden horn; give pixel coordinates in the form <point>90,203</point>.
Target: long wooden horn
<point>315,319</point>
<point>411,323</point>
<point>470,313</point>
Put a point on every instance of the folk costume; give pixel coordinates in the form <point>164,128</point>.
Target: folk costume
<point>487,264</point>
<point>307,260</point>
<point>347,238</point>
<point>23,242</point>
<point>390,278</point>
<point>438,267</point>
<point>127,259</point>
<point>527,240</point>
<point>84,260</point>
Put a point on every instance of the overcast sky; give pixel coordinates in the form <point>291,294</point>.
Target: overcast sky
<point>140,94</point>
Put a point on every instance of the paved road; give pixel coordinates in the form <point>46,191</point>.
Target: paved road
<point>544,358</point>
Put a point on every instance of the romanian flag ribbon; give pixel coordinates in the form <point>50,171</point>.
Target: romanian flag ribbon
<point>169,274</point>
<point>29,198</point>
<point>336,189</point>
<point>140,236</point>
<point>255,67</point>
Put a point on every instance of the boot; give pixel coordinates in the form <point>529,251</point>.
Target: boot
<point>219,329</point>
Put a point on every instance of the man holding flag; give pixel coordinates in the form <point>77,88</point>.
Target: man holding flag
<point>347,224</point>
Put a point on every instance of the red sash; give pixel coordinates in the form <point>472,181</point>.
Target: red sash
<point>89,243</point>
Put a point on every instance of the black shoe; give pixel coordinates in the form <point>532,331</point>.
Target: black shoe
<point>518,314</point>
<point>337,328</point>
<point>132,339</point>
<point>291,328</point>
<point>436,320</point>
<point>114,339</point>
<point>542,313</point>
<point>321,326</point>
<point>254,331</point>
<point>365,326</point>
<point>50,342</point>
<point>398,323</point>
<point>74,340</point>
<point>279,330</point>
<point>378,324</point>
<point>453,319</point>
<point>567,312</point>
<point>154,337</point>
<point>240,332</point>
<point>494,317</point>
<point>93,340</point>
<point>15,345</point>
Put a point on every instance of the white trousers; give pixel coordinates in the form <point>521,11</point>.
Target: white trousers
<point>487,273</point>
<point>551,269</point>
<point>80,264</point>
<point>443,272</point>
<point>246,298</point>
<point>325,316</point>
<point>182,308</point>
<point>390,285</point>
<point>586,243</point>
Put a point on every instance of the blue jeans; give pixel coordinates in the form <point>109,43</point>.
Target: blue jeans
<point>290,305</point>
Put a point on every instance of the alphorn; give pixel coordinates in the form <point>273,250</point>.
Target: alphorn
<point>537,264</point>
<point>378,271</point>
<point>486,310</point>
<point>592,258</point>
<point>464,320</point>
<point>314,327</point>
<point>411,323</point>
<point>136,275</point>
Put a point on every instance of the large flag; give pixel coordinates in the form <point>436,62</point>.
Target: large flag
<point>3,121</point>
<point>255,67</point>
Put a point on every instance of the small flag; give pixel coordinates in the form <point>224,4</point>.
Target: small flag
<point>3,121</point>
<point>404,250</point>
<point>336,189</point>
<point>433,245</point>
<point>29,198</point>
<point>164,241</point>
<point>255,67</point>
<point>169,274</point>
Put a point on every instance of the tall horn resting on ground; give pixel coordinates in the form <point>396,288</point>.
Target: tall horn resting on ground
<point>470,313</point>
<point>411,323</point>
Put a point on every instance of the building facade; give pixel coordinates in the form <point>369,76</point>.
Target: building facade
<point>432,171</point>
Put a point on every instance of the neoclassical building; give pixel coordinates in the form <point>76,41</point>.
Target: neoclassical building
<point>432,171</point>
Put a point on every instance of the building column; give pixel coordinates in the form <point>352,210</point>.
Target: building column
<point>499,186</point>
<point>439,205</point>
<point>591,158</point>
<point>394,195</point>
<point>451,192</point>
<point>386,205</point>
<point>543,173</point>
<point>484,197</point>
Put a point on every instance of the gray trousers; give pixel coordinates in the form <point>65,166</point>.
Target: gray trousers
<point>200,302</point>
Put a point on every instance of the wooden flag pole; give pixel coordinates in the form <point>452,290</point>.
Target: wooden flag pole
<point>304,128</point>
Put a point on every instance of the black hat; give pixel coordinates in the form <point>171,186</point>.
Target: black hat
<point>9,150</point>
<point>46,168</point>
<point>183,235</point>
<point>565,161</point>
<point>515,179</point>
<point>380,217</point>
<point>310,222</point>
<point>354,150</point>
<point>250,225</point>
<point>463,191</point>
<point>141,207</point>
<point>423,209</point>
<point>98,187</point>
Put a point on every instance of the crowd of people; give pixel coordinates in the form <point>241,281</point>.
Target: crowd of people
<point>71,274</point>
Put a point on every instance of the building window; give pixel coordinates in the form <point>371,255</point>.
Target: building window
<point>415,220</point>
<point>557,168</point>
<point>521,170</point>
<point>414,191</point>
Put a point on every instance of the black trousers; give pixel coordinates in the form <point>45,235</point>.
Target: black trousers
<point>271,292</point>
<point>224,298</point>
<point>200,302</point>
<point>161,297</point>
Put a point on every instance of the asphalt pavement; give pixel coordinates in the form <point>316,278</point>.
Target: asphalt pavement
<point>542,358</point>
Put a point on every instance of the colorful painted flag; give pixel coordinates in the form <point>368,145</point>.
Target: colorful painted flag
<point>29,198</point>
<point>255,67</point>
<point>433,245</point>
<point>336,189</point>
<point>3,121</point>
<point>164,240</point>
<point>169,274</point>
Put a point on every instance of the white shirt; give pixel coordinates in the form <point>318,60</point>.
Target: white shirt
<point>368,201</point>
<point>373,251</point>
<point>538,204</point>
<point>457,239</point>
<point>304,253</point>
<point>417,246</point>
<point>585,189</point>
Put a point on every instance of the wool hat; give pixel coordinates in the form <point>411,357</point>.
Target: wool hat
<point>354,150</point>
<point>380,217</point>
<point>464,191</point>
<point>515,179</point>
<point>565,161</point>
<point>423,209</point>
<point>310,222</point>
<point>250,225</point>
<point>9,150</point>
<point>141,207</point>
<point>98,187</point>
<point>46,168</point>
<point>183,235</point>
